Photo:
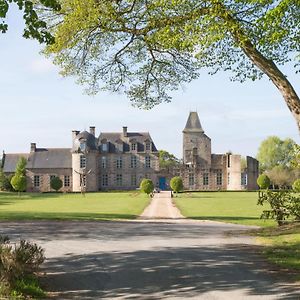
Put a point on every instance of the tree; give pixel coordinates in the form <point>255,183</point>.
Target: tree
<point>274,152</point>
<point>35,27</point>
<point>56,183</point>
<point>176,184</point>
<point>147,48</point>
<point>18,182</point>
<point>5,184</point>
<point>147,186</point>
<point>166,159</point>
<point>21,166</point>
<point>281,176</point>
<point>263,181</point>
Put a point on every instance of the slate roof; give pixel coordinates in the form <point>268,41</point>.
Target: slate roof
<point>88,138</point>
<point>11,160</point>
<point>42,158</point>
<point>114,138</point>
<point>193,123</point>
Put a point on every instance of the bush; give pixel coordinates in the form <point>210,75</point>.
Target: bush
<point>176,184</point>
<point>18,182</point>
<point>263,181</point>
<point>147,186</point>
<point>18,262</point>
<point>56,183</point>
<point>296,186</point>
<point>5,184</point>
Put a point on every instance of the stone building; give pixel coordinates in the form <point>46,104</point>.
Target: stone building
<point>120,160</point>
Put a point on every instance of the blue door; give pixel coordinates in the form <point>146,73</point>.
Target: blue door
<point>162,183</point>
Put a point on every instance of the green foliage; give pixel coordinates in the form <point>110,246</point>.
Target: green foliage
<point>275,152</point>
<point>18,262</point>
<point>146,49</point>
<point>18,182</point>
<point>35,27</point>
<point>296,186</point>
<point>176,184</point>
<point>283,204</point>
<point>281,176</point>
<point>147,186</point>
<point>243,164</point>
<point>5,184</point>
<point>21,166</point>
<point>56,183</point>
<point>166,159</point>
<point>263,181</point>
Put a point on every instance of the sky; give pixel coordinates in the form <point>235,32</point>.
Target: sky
<point>39,105</point>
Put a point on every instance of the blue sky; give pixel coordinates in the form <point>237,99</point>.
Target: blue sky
<point>38,105</point>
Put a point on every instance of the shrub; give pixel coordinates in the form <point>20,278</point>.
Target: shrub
<point>56,183</point>
<point>296,186</point>
<point>5,184</point>
<point>176,184</point>
<point>18,182</point>
<point>263,181</point>
<point>18,262</point>
<point>147,186</point>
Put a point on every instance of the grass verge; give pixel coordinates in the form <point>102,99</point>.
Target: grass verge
<point>92,206</point>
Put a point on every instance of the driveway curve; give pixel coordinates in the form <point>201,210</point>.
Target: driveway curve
<point>149,260</point>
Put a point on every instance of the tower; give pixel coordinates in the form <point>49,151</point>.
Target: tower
<point>196,144</point>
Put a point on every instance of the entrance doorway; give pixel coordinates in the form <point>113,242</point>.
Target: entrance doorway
<point>162,183</point>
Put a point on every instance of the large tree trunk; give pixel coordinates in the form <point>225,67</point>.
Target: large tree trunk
<point>267,66</point>
<point>278,78</point>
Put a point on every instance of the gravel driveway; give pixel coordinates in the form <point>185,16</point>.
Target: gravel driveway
<point>145,260</point>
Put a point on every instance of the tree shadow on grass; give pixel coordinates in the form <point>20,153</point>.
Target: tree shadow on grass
<point>167,272</point>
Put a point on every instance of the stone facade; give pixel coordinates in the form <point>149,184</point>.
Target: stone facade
<point>120,160</point>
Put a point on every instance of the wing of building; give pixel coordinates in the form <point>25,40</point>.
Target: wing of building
<point>120,160</point>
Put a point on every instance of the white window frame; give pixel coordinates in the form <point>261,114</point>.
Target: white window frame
<point>82,162</point>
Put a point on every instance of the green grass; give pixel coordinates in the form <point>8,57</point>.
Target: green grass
<point>282,245</point>
<point>231,207</point>
<point>92,206</point>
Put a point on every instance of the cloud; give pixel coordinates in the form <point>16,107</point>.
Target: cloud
<point>41,66</point>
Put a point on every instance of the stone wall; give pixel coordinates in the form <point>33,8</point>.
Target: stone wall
<point>44,175</point>
<point>252,173</point>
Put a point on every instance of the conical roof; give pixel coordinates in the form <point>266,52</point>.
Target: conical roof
<point>193,123</point>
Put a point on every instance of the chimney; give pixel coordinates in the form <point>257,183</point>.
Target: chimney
<point>92,130</point>
<point>125,131</point>
<point>74,134</point>
<point>32,147</point>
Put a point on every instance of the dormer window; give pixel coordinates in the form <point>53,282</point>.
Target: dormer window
<point>148,146</point>
<point>133,147</point>
<point>104,147</point>
<point>82,147</point>
<point>119,145</point>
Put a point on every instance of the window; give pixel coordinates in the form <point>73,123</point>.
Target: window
<point>219,177</point>
<point>148,162</point>
<point>119,163</point>
<point>105,180</point>
<point>119,179</point>
<point>191,179</point>
<point>51,177</point>
<point>104,162</point>
<point>228,178</point>
<point>119,146</point>
<point>67,180</point>
<point>82,147</point>
<point>104,147</point>
<point>205,178</point>
<point>133,161</point>
<point>133,179</point>
<point>82,180</point>
<point>148,146</point>
<point>244,179</point>
<point>36,181</point>
<point>133,147</point>
<point>82,161</point>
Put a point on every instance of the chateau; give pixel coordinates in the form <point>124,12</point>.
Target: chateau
<point>120,160</point>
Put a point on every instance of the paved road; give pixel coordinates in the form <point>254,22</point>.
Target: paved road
<point>137,260</point>
<point>162,207</point>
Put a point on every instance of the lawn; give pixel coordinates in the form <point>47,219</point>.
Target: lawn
<point>231,207</point>
<point>92,206</point>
